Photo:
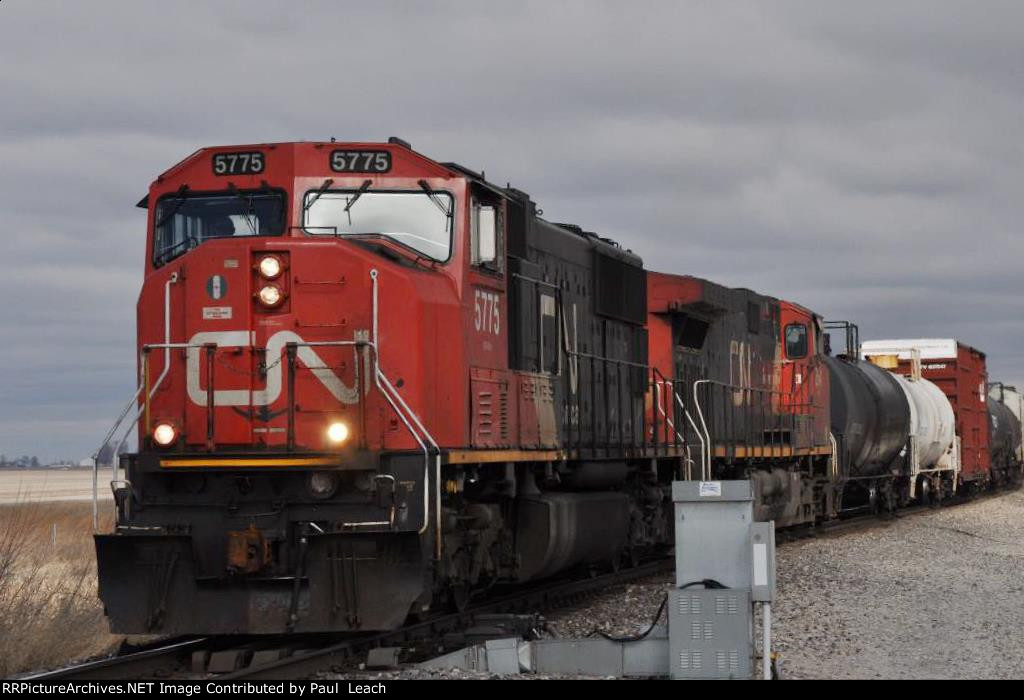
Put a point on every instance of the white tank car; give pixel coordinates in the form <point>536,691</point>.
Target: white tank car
<point>931,421</point>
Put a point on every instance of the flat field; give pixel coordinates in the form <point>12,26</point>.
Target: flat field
<point>19,485</point>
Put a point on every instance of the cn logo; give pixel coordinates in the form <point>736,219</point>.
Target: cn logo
<point>216,287</point>
<point>275,346</point>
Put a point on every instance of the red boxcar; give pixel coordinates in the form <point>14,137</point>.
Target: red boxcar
<point>960,371</point>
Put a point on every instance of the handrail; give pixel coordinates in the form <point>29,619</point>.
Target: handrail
<point>96,458</point>
<point>834,458</point>
<point>704,472</point>
<point>779,409</point>
<point>680,437</point>
<point>115,455</point>
<point>139,412</point>
<point>387,389</point>
<point>380,378</point>
<point>671,434</point>
<point>382,381</point>
<point>661,409</point>
<point>335,343</point>
<point>703,446</point>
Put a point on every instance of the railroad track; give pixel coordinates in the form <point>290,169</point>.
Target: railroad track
<point>297,656</point>
<point>154,661</point>
<point>843,526</point>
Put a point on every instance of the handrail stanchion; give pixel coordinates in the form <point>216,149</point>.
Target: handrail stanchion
<point>95,494</point>
<point>211,349</point>
<point>145,383</point>
<point>141,387</point>
<point>291,351</point>
<point>654,416</point>
<point>360,370</point>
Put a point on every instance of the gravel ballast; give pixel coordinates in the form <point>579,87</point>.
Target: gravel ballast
<point>936,594</point>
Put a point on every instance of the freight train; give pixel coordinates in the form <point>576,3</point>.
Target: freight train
<point>371,384</point>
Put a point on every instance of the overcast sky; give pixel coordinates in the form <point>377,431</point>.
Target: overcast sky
<point>864,159</point>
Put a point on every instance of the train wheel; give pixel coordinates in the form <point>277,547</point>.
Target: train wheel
<point>888,500</point>
<point>925,493</point>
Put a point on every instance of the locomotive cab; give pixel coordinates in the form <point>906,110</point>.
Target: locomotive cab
<point>291,327</point>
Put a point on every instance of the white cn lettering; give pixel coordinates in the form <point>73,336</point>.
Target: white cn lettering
<point>275,346</point>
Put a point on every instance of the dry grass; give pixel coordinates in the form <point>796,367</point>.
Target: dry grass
<point>49,611</point>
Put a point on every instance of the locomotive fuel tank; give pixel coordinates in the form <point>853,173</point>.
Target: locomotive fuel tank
<point>870,416</point>
<point>560,530</point>
<point>931,418</point>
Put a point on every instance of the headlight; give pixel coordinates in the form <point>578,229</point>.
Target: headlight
<point>164,434</point>
<point>337,433</point>
<point>271,295</point>
<point>322,484</point>
<point>270,267</point>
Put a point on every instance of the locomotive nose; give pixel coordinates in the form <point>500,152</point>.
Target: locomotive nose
<point>274,356</point>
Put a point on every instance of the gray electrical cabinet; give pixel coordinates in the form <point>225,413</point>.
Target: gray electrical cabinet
<point>717,513</point>
<point>718,545</point>
<point>709,633</point>
<point>725,563</point>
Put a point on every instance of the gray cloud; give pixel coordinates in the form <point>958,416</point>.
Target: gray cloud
<point>864,160</point>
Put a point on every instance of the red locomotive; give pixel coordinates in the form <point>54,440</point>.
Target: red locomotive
<point>753,388</point>
<point>371,384</point>
<point>362,374</point>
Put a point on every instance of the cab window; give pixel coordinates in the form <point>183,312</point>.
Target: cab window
<point>419,220</point>
<point>796,341</point>
<point>185,220</point>
<point>486,227</point>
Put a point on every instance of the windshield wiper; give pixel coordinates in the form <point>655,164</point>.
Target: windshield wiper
<point>248,207</point>
<point>355,198</point>
<point>377,239</point>
<point>182,191</point>
<point>165,254</point>
<point>312,200</point>
<point>434,198</point>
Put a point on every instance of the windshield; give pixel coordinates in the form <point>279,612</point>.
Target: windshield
<point>184,221</point>
<point>421,221</point>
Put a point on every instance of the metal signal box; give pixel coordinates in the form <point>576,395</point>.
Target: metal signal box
<point>712,523</point>
<point>724,562</point>
<point>709,633</point>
